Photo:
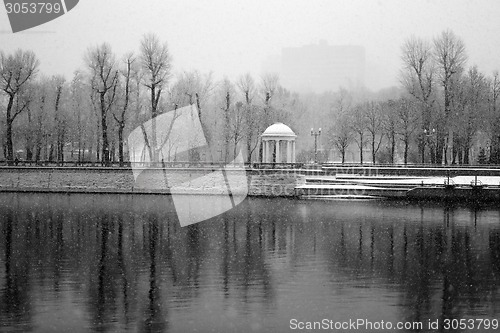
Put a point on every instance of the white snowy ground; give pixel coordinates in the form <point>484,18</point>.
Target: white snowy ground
<point>404,180</point>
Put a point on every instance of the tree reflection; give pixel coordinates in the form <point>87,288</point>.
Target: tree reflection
<point>155,317</point>
<point>414,257</point>
<point>130,267</point>
<point>103,293</point>
<point>15,295</point>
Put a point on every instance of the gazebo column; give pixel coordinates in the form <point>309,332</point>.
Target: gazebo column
<point>293,151</point>
<point>269,152</point>
<point>266,151</point>
<point>278,157</point>
<point>269,155</point>
<point>260,158</point>
<point>288,151</point>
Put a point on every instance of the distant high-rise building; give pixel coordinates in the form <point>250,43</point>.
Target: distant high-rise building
<point>322,67</point>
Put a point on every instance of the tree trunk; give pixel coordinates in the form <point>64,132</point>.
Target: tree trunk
<point>61,146</point>
<point>454,149</point>
<point>83,152</point>
<point>98,149</point>
<point>361,145</point>
<point>8,133</point>
<point>235,149</point>
<point>29,152</point>
<point>104,128</point>
<point>460,151</point>
<point>432,151</point>
<point>466,155</point>
<point>249,150</point>
<point>120,143</point>
<point>29,139</point>
<point>440,145</point>
<point>38,149</point>
<point>51,151</point>
<point>79,147</point>
<point>447,110</point>
<point>406,151</point>
<point>155,96</point>
<point>361,154</point>
<point>112,152</point>
<point>10,148</point>
<point>373,149</point>
<point>422,144</point>
<point>393,147</point>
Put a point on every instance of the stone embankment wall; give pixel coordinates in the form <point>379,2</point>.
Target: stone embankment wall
<point>270,182</point>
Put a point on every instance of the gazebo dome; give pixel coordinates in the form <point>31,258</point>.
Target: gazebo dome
<point>279,129</point>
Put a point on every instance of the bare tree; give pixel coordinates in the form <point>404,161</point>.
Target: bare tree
<point>81,115</point>
<point>120,117</point>
<point>389,125</point>
<point>269,87</point>
<point>493,98</point>
<point>236,126</point>
<point>16,72</point>
<point>469,103</point>
<point>38,111</point>
<point>196,88</point>
<point>24,127</point>
<point>418,79</point>
<point>59,118</point>
<point>340,133</point>
<point>227,93</point>
<point>450,57</point>
<point>407,124</point>
<point>358,126</point>
<point>374,122</point>
<point>156,66</point>
<point>104,81</point>
<point>246,85</point>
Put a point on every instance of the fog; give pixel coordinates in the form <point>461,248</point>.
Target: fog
<point>229,38</point>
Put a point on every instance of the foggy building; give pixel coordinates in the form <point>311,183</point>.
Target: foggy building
<point>322,67</point>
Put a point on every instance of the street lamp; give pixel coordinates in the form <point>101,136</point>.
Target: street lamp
<point>428,133</point>
<point>315,134</point>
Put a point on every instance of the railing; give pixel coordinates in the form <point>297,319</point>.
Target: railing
<point>416,165</point>
<point>171,164</point>
<point>47,163</point>
<point>113,164</point>
<point>279,166</point>
<point>254,165</point>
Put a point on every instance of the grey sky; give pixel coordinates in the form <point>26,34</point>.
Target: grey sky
<point>234,37</point>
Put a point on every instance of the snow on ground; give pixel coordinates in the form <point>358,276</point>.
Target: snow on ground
<point>402,180</point>
<point>340,187</point>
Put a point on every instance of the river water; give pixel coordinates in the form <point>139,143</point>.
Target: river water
<point>121,263</point>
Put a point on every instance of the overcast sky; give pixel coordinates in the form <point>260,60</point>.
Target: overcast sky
<point>233,37</point>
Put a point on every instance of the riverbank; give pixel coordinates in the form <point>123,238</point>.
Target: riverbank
<point>259,182</point>
<point>347,181</point>
<point>458,188</point>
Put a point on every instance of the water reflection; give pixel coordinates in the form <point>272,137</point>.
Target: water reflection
<point>122,263</point>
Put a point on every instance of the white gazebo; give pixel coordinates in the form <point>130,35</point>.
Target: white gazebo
<point>276,140</point>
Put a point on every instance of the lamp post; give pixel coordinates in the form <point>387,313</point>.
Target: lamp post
<point>430,133</point>
<point>315,134</point>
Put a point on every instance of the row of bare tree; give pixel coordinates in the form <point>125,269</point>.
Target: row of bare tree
<point>90,116</point>
<point>439,113</point>
<point>442,110</point>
